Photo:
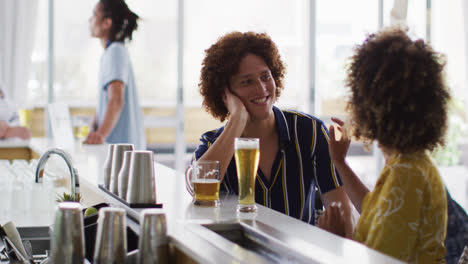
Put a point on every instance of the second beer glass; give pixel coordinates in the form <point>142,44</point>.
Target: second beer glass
<point>247,155</point>
<point>202,181</point>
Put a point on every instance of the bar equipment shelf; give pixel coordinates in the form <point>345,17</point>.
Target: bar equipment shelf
<point>131,205</point>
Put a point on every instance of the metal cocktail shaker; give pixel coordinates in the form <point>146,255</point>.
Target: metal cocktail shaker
<point>68,246</point>
<point>117,159</point>
<point>123,174</point>
<point>153,243</point>
<point>141,182</point>
<point>111,238</point>
<point>108,166</point>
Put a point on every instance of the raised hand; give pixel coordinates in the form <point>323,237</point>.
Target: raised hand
<point>338,148</point>
<point>235,107</point>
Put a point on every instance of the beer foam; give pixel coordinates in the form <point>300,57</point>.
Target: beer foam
<point>246,144</point>
<point>206,181</point>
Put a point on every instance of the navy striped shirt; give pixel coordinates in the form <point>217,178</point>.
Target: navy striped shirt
<point>301,164</point>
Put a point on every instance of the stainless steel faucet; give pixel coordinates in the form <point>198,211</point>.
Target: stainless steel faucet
<point>75,185</point>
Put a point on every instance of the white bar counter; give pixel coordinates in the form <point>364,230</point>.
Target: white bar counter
<point>182,215</point>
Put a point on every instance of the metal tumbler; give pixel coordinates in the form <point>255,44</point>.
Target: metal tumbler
<point>108,166</point>
<point>123,174</point>
<point>153,243</point>
<point>117,160</point>
<point>68,246</point>
<point>111,238</point>
<point>141,182</point>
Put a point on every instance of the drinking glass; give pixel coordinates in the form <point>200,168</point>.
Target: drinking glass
<point>80,127</point>
<point>247,156</point>
<point>25,117</point>
<point>202,181</point>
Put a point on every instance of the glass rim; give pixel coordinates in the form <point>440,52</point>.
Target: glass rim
<point>247,138</point>
<point>206,162</point>
<point>246,143</point>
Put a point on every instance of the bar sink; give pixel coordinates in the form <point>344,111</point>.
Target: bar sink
<point>39,237</point>
<point>253,242</point>
<point>169,253</point>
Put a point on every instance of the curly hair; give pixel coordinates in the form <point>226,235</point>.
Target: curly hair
<point>398,96</point>
<point>222,61</point>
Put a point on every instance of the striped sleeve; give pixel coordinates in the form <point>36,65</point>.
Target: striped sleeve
<point>327,176</point>
<point>205,143</point>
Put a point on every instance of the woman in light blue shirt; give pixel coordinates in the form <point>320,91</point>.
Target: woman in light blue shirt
<point>119,117</point>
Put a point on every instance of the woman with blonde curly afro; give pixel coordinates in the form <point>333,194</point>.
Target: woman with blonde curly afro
<point>241,79</point>
<point>399,99</point>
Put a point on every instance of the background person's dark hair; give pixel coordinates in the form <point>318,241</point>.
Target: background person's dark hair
<point>222,61</point>
<point>398,95</point>
<point>124,21</point>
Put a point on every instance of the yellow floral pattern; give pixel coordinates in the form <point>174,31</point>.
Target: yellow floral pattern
<point>405,216</point>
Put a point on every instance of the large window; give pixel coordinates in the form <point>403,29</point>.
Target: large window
<point>415,16</point>
<point>37,83</point>
<point>285,21</point>
<point>154,48</point>
<point>77,55</point>
<point>449,36</point>
<point>340,26</point>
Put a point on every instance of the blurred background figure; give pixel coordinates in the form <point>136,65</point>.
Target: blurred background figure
<point>119,118</point>
<point>9,119</point>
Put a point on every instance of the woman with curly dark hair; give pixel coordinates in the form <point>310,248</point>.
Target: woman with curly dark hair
<point>398,98</point>
<point>241,79</point>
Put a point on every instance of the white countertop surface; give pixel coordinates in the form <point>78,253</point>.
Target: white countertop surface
<point>322,246</point>
<point>14,143</point>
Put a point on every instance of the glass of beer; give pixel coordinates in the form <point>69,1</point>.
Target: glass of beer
<point>247,155</point>
<point>80,127</point>
<point>202,181</point>
<point>25,117</point>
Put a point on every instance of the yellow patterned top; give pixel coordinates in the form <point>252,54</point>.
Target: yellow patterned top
<point>405,216</point>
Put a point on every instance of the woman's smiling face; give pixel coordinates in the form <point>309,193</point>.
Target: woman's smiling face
<point>255,86</point>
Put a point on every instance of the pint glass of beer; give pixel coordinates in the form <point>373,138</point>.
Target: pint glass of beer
<point>247,155</point>
<point>25,117</point>
<point>202,182</point>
